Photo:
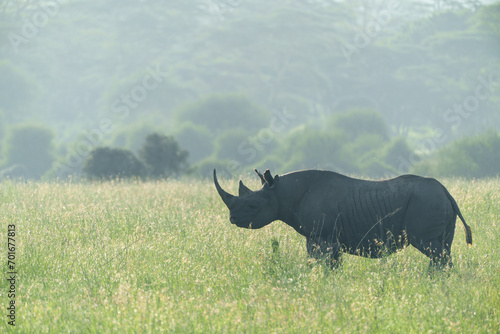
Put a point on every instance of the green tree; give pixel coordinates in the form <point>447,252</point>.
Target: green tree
<point>107,163</point>
<point>226,146</point>
<point>17,89</point>
<point>224,112</point>
<point>357,122</point>
<point>163,156</point>
<point>477,156</point>
<point>395,151</point>
<point>305,148</point>
<point>29,145</point>
<point>196,139</point>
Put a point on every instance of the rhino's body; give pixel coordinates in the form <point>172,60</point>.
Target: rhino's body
<point>338,214</point>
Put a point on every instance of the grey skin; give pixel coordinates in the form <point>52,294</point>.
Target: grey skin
<point>338,214</point>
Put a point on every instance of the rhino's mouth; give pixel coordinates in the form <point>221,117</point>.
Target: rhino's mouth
<point>240,223</point>
<point>244,225</point>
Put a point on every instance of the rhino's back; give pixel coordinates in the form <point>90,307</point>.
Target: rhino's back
<point>378,217</point>
<point>359,213</point>
<point>372,214</point>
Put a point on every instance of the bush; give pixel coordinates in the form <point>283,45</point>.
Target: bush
<point>2,127</point>
<point>395,151</point>
<point>221,112</point>
<point>309,148</point>
<point>163,156</point>
<point>14,172</point>
<point>225,168</point>
<point>375,168</point>
<point>30,146</point>
<point>133,135</point>
<point>227,146</point>
<point>196,139</point>
<point>107,163</point>
<point>363,144</point>
<point>17,90</point>
<point>477,156</point>
<point>358,122</point>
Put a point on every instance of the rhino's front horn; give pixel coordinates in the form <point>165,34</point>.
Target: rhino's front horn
<point>226,197</point>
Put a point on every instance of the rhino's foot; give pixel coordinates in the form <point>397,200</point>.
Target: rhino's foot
<point>334,263</point>
<point>325,252</point>
<point>440,255</point>
<point>441,262</point>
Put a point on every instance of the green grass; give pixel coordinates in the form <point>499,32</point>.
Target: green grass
<point>163,257</point>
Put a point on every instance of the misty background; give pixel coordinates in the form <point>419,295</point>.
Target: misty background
<point>371,89</point>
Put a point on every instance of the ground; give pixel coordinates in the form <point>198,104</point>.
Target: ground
<point>162,256</point>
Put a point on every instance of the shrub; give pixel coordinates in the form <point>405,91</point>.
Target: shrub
<point>133,135</point>
<point>225,168</point>
<point>163,156</point>
<point>396,150</point>
<point>17,90</point>
<point>31,146</point>
<point>196,139</point>
<point>107,163</point>
<point>477,156</point>
<point>2,127</point>
<point>227,146</point>
<point>375,168</point>
<point>309,148</point>
<point>222,112</point>
<point>358,122</point>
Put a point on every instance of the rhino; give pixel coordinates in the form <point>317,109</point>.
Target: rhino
<point>339,214</point>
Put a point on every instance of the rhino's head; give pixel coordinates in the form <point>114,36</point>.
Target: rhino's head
<point>252,209</point>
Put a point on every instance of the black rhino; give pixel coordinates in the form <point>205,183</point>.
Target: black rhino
<point>340,214</point>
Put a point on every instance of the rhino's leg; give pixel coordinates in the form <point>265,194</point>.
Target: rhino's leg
<point>437,250</point>
<point>448,235</point>
<point>334,259</point>
<point>320,249</point>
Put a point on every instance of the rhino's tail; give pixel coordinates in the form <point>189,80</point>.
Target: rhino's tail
<point>468,231</point>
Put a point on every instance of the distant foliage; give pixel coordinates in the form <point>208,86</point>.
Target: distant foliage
<point>163,156</point>
<point>133,135</point>
<point>222,112</point>
<point>309,148</point>
<point>17,89</point>
<point>160,157</point>
<point>196,139</point>
<point>105,163</point>
<point>357,122</point>
<point>396,151</point>
<point>30,146</point>
<point>225,168</point>
<point>355,72</point>
<point>467,157</point>
<point>2,127</point>
<point>227,146</point>
<point>356,142</point>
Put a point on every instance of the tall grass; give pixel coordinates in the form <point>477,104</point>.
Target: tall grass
<point>162,257</point>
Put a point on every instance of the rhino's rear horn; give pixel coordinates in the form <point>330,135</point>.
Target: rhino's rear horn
<point>227,198</point>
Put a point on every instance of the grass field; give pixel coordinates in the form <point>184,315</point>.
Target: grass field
<point>163,257</point>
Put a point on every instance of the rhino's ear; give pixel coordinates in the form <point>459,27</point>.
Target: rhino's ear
<point>243,190</point>
<point>274,182</point>
<point>271,183</point>
<point>268,177</point>
<point>260,175</point>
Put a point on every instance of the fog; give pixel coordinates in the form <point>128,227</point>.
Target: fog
<point>368,88</point>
